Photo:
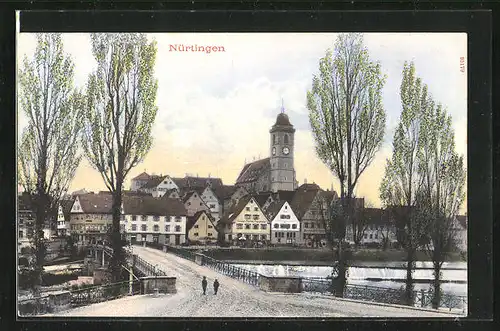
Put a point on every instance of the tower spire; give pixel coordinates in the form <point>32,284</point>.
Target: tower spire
<point>282,107</point>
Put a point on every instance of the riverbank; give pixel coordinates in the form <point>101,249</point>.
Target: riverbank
<point>300,256</point>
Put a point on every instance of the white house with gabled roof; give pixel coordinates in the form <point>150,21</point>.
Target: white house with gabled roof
<point>285,226</point>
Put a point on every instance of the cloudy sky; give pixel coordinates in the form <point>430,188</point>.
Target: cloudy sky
<point>215,110</point>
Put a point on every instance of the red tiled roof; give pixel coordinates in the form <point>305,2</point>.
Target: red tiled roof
<point>148,205</point>
<point>153,182</point>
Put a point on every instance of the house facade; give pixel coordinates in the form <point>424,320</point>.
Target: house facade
<point>201,228</point>
<point>64,217</point>
<point>245,223</point>
<point>285,227</point>
<point>150,219</point>
<point>139,181</point>
<point>157,186</point>
<point>212,201</point>
<point>194,203</point>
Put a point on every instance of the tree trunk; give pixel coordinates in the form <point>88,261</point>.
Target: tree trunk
<point>436,298</point>
<point>410,260</point>
<point>118,258</point>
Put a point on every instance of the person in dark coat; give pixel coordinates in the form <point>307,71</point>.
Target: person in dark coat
<point>204,285</point>
<point>216,286</point>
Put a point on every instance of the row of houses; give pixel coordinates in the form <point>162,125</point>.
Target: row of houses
<point>187,215</point>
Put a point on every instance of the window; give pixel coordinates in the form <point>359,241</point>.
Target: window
<point>177,218</point>
<point>196,226</point>
<point>144,218</point>
<point>256,226</point>
<point>376,235</point>
<point>274,139</point>
<point>177,228</point>
<point>247,226</point>
<point>144,227</point>
<point>20,234</point>
<point>196,234</point>
<point>294,226</point>
<point>263,237</point>
<point>167,228</point>
<point>371,236</point>
<point>212,205</point>
<point>312,225</point>
<point>256,209</point>
<point>285,226</point>
<point>276,235</point>
<point>209,234</point>
<point>167,218</point>
<point>255,217</point>
<point>156,218</point>
<point>134,217</point>
<point>285,217</point>
<point>156,228</point>
<point>263,226</point>
<point>284,178</point>
<point>247,216</point>
<point>285,165</point>
<point>304,236</point>
<point>365,236</point>
<point>239,226</point>
<point>201,203</point>
<point>286,139</point>
<point>247,208</point>
<point>189,203</point>
<point>306,225</point>
<point>210,227</point>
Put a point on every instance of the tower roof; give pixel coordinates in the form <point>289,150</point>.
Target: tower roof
<point>282,123</point>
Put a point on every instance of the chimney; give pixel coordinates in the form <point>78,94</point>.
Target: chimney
<point>305,180</point>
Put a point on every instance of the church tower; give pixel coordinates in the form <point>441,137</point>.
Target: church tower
<point>281,154</point>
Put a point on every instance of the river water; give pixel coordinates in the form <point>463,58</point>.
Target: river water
<point>387,275</point>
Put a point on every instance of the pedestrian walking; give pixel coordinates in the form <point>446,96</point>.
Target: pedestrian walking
<point>204,285</point>
<point>216,286</point>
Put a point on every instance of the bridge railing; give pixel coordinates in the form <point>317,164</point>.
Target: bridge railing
<point>147,268</point>
<point>244,275</point>
<point>184,253</point>
<point>95,294</point>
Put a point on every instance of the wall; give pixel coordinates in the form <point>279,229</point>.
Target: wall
<point>261,222</point>
<point>280,284</point>
<point>202,228</point>
<point>164,284</point>
<point>163,231</point>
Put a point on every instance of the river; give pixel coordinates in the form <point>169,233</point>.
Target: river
<point>386,274</point>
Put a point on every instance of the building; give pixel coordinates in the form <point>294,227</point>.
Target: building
<point>64,217</point>
<point>285,227</point>
<point>201,228</point>
<point>228,196</point>
<point>139,181</point>
<point>25,222</point>
<point>157,186</point>
<point>212,201</point>
<point>191,182</point>
<point>194,203</point>
<point>309,206</point>
<point>245,223</point>
<point>91,217</point>
<point>276,172</point>
<point>375,228</point>
<point>156,220</point>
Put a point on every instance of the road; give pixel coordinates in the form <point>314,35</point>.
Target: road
<point>235,299</point>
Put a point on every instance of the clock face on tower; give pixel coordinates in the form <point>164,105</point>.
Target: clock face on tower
<point>274,150</point>
<point>286,150</point>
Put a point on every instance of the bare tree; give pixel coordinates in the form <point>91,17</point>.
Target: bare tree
<point>48,151</point>
<point>442,195</point>
<point>347,119</point>
<point>121,109</point>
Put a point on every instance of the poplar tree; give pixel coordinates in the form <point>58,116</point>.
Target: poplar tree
<point>347,117</point>
<point>48,153</point>
<point>120,112</point>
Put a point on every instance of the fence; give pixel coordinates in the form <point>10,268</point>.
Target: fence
<point>184,253</point>
<point>146,268</point>
<point>422,298</point>
<point>79,297</point>
<point>95,294</point>
<point>244,275</point>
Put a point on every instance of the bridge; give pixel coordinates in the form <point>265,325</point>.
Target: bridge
<point>236,298</point>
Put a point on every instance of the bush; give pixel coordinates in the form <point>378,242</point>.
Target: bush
<point>373,245</point>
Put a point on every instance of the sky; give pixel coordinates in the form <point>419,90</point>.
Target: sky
<point>215,110</point>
